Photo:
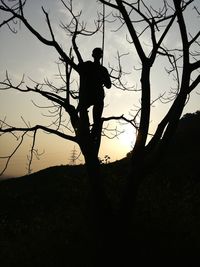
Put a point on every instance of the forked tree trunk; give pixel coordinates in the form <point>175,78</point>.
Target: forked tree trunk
<point>98,206</point>
<point>90,147</point>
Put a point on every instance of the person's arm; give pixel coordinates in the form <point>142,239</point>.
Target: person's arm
<point>107,80</point>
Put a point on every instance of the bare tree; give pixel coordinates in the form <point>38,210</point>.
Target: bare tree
<point>156,23</point>
<point>139,18</point>
<point>63,99</point>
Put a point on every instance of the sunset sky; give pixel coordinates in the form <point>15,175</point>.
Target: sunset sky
<point>22,53</point>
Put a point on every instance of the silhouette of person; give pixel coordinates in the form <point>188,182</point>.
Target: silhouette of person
<point>93,77</point>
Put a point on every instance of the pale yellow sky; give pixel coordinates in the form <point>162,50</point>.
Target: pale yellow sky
<point>22,53</point>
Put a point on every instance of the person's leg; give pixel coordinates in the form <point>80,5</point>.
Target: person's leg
<point>97,113</point>
<point>84,119</point>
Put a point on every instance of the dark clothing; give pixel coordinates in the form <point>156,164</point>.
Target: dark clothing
<point>92,78</point>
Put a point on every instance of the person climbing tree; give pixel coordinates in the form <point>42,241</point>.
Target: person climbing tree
<point>93,77</point>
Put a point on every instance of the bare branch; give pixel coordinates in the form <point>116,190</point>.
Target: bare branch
<point>132,31</point>
<point>132,122</point>
<point>8,85</point>
<point>195,65</point>
<point>194,84</point>
<point>12,154</point>
<point>7,21</point>
<point>32,151</point>
<point>194,38</point>
<point>38,127</point>
<point>109,4</point>
<point>49,24</point>
<point>45,41</point>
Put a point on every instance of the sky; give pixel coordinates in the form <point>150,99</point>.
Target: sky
<point>22,54</point>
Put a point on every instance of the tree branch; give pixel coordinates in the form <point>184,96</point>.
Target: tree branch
<point>38,127</point>
<point>109,4</point>
<point>194,84</point>
<point>195,65</point>
<point>45,41</point>
<point>158,44</point>
<point>132,31</point>
<point>12,154</point>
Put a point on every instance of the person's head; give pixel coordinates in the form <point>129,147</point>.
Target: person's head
<point>97,53</point>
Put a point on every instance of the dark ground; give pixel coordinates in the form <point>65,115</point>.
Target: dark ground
<point>46,219</point>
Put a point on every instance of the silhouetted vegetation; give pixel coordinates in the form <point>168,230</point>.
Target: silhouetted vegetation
<point>46,218</point>
<point>114,214</point>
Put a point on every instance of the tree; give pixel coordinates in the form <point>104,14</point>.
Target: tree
<point>157,23</point>
<point>62,98</point>
<point>154,21</point>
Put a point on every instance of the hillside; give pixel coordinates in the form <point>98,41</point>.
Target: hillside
<point>45,219</point>
<point>168,210</point>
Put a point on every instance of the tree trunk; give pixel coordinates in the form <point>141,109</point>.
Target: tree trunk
<point>98,207</point>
